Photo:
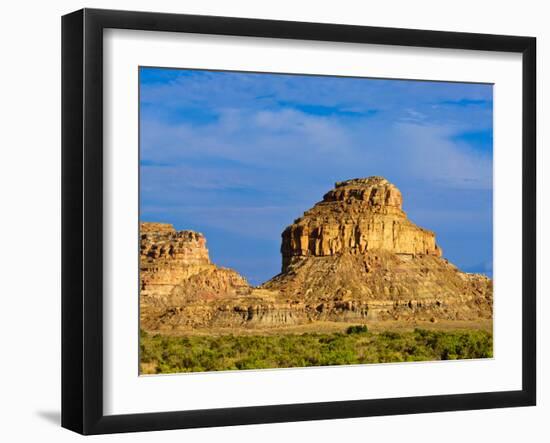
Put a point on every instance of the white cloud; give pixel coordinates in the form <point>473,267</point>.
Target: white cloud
<point>433,156</point>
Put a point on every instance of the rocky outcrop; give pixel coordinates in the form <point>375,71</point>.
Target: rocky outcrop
<point>357,216</point>
<point>353,257</point>
<point>175,271</point>
<point>168,257</point>
<point>381,285</point>
<point>356,255</point>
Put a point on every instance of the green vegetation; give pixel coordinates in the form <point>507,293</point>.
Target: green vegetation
<point>358,329</point>
<point>165,354</point>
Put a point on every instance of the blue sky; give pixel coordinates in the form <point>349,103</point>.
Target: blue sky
<point>239,156</point>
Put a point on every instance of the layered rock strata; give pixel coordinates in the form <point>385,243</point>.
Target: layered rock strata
<point>356,217</point>
<point>176,272</point>
<point>353,257</point>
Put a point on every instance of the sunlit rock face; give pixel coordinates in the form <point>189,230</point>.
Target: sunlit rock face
<point>168,256</point>
<point>176,272</point>
<point>357,216</point>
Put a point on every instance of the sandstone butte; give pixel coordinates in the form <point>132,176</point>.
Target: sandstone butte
<point>353,257</point>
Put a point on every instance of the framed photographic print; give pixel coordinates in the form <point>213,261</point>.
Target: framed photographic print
<point>269,221</point>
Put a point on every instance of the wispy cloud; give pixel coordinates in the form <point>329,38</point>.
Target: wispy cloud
<point>431,154</point>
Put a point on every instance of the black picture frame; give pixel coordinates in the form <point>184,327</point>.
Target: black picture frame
<point>82,218</point>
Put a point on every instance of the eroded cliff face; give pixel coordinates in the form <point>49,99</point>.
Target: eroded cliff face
<point>356,217</point>
<point>176,272</point>
<point>168,257</point>
<point>353,257</point>
<point>381,285</point>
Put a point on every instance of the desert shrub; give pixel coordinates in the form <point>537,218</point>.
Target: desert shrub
<point>357,329</point>
<point>357,346</point>
<point>390,335</point>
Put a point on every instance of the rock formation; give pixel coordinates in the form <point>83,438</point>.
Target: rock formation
<point>353,257</point>
<point>357,216</point>
<point>175,271</point>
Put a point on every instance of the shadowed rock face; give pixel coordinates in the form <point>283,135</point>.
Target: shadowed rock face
<point>353,257</point>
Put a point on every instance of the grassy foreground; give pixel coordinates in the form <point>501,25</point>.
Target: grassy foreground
<point>165,354</point>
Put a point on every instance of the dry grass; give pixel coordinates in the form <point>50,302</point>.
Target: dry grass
<point>332,327</point>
